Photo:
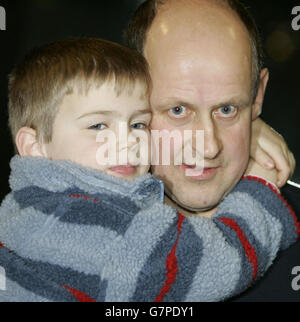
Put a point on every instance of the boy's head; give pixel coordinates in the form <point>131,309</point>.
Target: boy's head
<point>63,94</point>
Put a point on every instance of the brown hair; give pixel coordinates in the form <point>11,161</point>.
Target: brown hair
<point>39,83</point>
<point>141,21</point>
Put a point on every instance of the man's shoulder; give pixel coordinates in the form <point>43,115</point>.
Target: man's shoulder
<point>278,284</point>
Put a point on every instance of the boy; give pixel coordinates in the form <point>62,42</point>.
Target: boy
<point>73,230</point>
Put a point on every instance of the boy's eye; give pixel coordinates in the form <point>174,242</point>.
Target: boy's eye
<point>178,111</point>
<point>98,127</point>
<point>138,126</point>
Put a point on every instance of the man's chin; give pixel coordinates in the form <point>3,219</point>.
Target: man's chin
<point>192,208</point>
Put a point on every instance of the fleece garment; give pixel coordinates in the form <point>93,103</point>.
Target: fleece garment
<point>70,233</point>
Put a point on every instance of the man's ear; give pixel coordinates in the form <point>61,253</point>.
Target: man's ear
<point>27,143</point>
<point>257,105</point>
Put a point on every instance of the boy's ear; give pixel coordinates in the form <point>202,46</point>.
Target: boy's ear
<point>257,105</point>
<point>27,143</point>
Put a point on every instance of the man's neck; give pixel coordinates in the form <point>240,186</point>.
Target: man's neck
<point>206,213</point>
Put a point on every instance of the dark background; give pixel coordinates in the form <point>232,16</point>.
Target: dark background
<point>34,22</point>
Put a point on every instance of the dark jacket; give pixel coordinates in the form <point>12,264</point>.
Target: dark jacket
<point>278,283</point>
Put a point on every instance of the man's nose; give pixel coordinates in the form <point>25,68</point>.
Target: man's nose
<point>212,142</point>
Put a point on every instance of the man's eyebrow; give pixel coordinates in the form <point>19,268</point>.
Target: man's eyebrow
<point>170,103</point>
<point>236,101</point>
<point>230,101</point>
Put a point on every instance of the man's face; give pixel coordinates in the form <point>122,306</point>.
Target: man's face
<point>200,63</point>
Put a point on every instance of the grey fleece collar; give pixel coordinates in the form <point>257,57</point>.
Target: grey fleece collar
<point>60,175</point>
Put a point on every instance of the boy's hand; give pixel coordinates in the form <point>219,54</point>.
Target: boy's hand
<point>270,151</point>
<point>256,169</point>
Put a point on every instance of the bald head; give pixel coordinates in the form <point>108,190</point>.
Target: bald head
<point>209,36</point>
<point>136,34</point>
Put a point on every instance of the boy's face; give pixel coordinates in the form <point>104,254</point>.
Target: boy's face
<point>82,119</point>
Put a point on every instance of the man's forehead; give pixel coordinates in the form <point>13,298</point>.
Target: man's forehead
<point>201,95</point>
<point>192,66</point>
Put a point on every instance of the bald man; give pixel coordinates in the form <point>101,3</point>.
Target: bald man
<point>206,66</point>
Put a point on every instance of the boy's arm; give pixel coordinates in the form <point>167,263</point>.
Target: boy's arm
<point>200,259</point>
<point>255,169</point>
<point>261,220</point>
<point>240,242</point>
<point>259,202</point>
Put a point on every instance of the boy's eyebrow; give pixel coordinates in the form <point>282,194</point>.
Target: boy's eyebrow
<point>95,112</point>
<point>145,111</point>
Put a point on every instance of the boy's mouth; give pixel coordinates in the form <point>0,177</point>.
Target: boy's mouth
<point>124,170</point>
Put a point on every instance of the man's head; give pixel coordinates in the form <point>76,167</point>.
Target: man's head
<point>63,94</point>
<point>203,63</point>
<point>136,33</point>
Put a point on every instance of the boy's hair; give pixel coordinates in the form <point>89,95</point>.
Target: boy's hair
<point>40,82</point>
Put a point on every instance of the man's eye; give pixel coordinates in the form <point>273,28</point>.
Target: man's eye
<point>227,111</point>
<point>138,126</point>
<point>98,127</point>
<point>178,111</point>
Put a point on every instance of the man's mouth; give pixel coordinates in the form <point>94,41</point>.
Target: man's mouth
<point>199,173</point>
<point>124,170</point>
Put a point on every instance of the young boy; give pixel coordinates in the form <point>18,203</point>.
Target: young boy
<point>73,229</point>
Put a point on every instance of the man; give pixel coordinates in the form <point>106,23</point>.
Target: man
<point>206,66</point>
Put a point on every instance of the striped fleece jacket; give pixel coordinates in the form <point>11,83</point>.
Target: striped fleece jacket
<point>69,233</point>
